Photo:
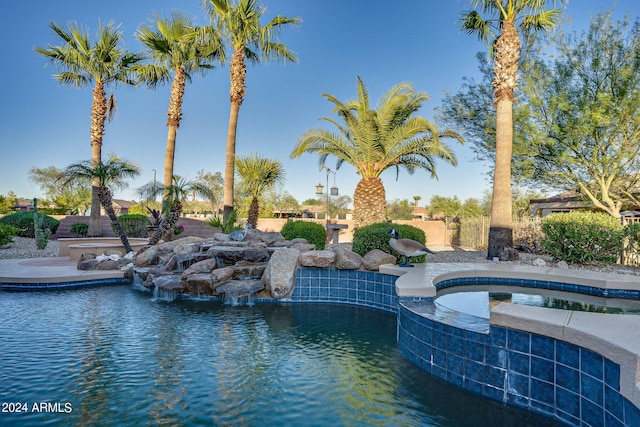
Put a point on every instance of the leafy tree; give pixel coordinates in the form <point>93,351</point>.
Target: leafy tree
<point>471,208</point>
<point>502,16</point>
<point>312,202</point>
<point>374,140</point>
<point>239,24</point>
<point>447,206</point>
<point>258,174</point>
<point>400,209</point>
<point>215,183</point>
<point>587,102</point>
<point>284,201</point>
<point>8,202</point>
<point>176,46</point>
<point>102,63</point>
<point>72,198</point>
<point>112,173</point>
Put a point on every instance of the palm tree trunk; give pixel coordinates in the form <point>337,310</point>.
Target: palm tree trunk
<point>254,210</point>
<point>369,202</point>
<point>173,123</point>
<point>237,75</point>
<point>98,117</point>
<point>107,203</point>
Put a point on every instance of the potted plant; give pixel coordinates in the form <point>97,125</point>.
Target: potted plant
<point>154,219</point>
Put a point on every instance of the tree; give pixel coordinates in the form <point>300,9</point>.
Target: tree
<point>587,102</point>
<point>531,16</point>
<point>102,63</point>
<point>400,209</point>
<point>112,173</point>
<point>239,24</point>
<point>179,191</point>
<point>176,46</point>
<point>258,174</point>
<point>374,140</point>
<point>8,202</point>
<point>72,198</point>
<point>447,206</point>
<point>215,183</point>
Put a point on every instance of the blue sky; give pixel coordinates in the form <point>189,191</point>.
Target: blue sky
<point>385,43</point>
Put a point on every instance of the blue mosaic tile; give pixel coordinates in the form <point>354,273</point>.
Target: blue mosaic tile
<point>631,414</point>
<point>591,414</point>
<point>498,337</point>
<point>496,356</point>
<point>592,363</point>
<point>542,391</point>
<point>518,341</point>
<point>474,370</point>
<point>495,376</point>
<point>592,389</point>
<point>611,421</point>
<point>543,346</point>
<point>474,351</point>
<point>473,386</point>
<point>568,354</point>
<point>613,402</point>
<point>493,393</point>
<point>518,384</point>
<point>612,374</point>
<point>518,362</point>
<point>568,402</point>
<point>542,369</point>
<point>455,364</point>
<point>568,378</point>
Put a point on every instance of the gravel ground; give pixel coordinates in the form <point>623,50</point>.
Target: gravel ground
<point>26,248</point>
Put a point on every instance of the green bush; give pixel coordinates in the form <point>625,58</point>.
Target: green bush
<point>582,237</point>
<point>632,243</point>
<point>7,233</point>
<point>133,225</point>
<point>374,236</point>
<point>80,229</point>
<point>23,221</point>
<point>313,232</point>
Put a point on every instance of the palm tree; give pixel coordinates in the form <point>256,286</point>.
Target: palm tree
<point>257,175</point>
<point>531,16</point>
<point>374,140</point>
<point>239,24</point>
<point>179,191</point>
<point>176,46</point>
<point>101,63</point>
<point>111,173</point>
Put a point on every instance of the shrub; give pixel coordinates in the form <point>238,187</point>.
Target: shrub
<point>313,232</point>
<point>228,225</point>
<point>80,229</point>
<point>374,236</point>
<point>23,221</point>
<point>582,237</point>
<point>7,233</point>
<point>133,225</point>
<point>632,244</point>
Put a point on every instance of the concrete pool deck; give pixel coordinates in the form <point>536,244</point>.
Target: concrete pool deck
<point>50,270</point>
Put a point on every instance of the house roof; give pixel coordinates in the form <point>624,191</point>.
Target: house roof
<point>124,203</point>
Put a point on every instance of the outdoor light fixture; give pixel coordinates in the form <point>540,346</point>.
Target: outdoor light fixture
<point>333,191</point>
<point>319,189</point>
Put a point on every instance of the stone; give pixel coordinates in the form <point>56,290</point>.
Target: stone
<point>240,288</point>
<point>298,240</point>
<point>199,284</point>
<point>562,264</point>
<point>108,264</point>
<point>303,247</point>
<point>346,259</point>
<point>221,237</point>
<point>88,264</point>
<point>321,259</point>
<point>147,257</point>
<point>221,275</point>
<point>273,237</point>
<point>184,249</point>
<point>168,283</point>
<point>170,246</point>
<point>539,262</point>
<point>374,259</point>
<point>87,256</point>
<point>206,266</point>
<point>509,254</point>
<point>279,276</point>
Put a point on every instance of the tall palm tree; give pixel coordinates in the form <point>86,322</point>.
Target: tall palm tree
<point>103,63</point>
<point>239,24</point>
<point>257,175</point>
<point>374,140</point>
<point>111,173</point>
<point>502,16</point>
<point>176,46</point>
<point>179,191</point>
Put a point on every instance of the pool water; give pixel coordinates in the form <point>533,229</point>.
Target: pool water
<point>111,356</point>
<point>478,300</point>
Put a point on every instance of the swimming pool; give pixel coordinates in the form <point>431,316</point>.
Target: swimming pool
<point>111,356</point>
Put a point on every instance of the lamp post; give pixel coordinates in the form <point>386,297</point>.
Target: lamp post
<point>334,191</point>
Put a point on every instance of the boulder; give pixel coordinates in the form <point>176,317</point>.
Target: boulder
<point>184,249</point>
<point>321,259</point>
<point>279,276</point>
<point>272,238</point>
<point>346,259</point>
<point>374,259</point>
<point>303,247</point>
<point>170,246</point>
<point>147,257</point>
<point>169,282</point>
<point>509,254</point>
<point>206,266</point>
<point>221,275</point>
<point>199,284</point>
<point>240,288</point>
<point>88,264</point>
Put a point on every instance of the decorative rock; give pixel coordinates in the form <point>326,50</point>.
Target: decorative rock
<point>221,237</point>
<point>168,283</point>
<point>108,264</point>
<point>170,246</point>
<point>375,258</point>
<point>199,284</point>
<point>272,237</point>
<point>279,276</point>
<point>303,247</point>
<point>87,256</point>
<point>539,262</point>
<point>88,264</point>
<point>297,240</point>
<point>347,260</point>
<point>562,264</point>
<point>224,274</point>
<point>321,259</point>
<point>509,254</point>
<point>240,288</point>
<point>185,249</point>
<point>207,265</point>
<point>147,257</point>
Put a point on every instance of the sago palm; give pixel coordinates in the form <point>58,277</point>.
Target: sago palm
<point>101,63</point>
<point>498,28</point>
<point>112,173</point>
<point>176,46</point>
<point>374,140</point>
<point>239,24</point>
<point>257,175</point>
